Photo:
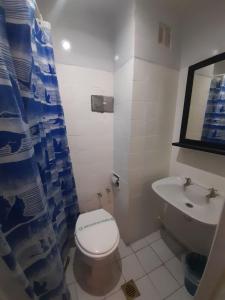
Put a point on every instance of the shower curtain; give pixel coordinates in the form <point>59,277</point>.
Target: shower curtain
<point>38,202</point>
<point>214,122</point>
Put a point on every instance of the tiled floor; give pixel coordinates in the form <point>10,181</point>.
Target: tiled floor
<point>157,272</point>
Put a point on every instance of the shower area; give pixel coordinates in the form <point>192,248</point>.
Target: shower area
<point>38,199</point>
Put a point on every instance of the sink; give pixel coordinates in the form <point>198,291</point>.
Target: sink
<point>191,200</point>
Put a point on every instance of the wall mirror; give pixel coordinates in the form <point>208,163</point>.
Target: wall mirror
<point>203,122</point>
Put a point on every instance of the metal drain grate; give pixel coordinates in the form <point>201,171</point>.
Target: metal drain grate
<point>130,290</point>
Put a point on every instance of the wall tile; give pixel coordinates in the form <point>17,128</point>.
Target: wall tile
<point>90,134</point>
<point>153,105</point>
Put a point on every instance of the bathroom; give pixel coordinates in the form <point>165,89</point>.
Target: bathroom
<point>125,106</point>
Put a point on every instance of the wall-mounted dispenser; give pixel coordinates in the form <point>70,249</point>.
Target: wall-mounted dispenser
<point>102,104</point>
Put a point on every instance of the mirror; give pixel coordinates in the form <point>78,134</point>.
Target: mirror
<point>203,123</point>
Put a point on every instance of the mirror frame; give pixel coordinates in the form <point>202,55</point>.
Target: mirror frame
<point>195,144</point>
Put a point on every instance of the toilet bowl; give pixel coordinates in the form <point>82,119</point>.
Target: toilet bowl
<point>96,234</point>
<point>96,265</point>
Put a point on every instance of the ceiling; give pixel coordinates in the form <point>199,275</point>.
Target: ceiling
<point>71,12</point>
<point>98,15</point>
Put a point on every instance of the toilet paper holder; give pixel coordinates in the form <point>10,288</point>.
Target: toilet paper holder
<point>115,179</point>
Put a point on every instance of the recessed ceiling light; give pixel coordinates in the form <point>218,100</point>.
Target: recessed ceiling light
<point>116,58</point>
<point>66,45</point>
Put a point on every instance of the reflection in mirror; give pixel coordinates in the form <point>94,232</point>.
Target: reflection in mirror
<point>206,120</point>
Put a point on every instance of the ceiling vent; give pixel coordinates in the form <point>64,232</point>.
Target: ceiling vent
<point>164,37</point>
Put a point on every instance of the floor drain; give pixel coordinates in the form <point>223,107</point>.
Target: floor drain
<point>130,290</point>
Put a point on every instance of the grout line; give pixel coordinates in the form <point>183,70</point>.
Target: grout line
<point>159,292</point>
<point>147,243</point>
<point>164,262</point>
<point>174,292</point>
<point>179,285</point>
<point>173,275</point>
<point>160,238</point>
<point>145,273</point>
<point>143,267</point>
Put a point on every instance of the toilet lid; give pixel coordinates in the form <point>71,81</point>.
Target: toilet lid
<point>96,232</point>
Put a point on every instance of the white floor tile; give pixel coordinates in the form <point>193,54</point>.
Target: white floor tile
<point>124,250</point>
<point>163,281</point>
<point>117,296</point>
<point>176,269</point>
<point>147,289</point>
<point>181,294</point>
<point>131,268</point>
<point>174,245</point>
<point>139,245</point>
<point>148,259</point>
<point>155,236</point>
<point>162,250</point>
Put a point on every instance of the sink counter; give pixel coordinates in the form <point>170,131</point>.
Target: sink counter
<point>191,201</point>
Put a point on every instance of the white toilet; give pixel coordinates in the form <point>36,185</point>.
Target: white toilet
<point>97,234</point>
<point>96,262</point>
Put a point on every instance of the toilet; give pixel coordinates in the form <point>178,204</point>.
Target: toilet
<point>97,234</point>
<point>97,238</point>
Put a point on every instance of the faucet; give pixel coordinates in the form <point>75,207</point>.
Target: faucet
<point>188,182</point>
<point>212,194</point>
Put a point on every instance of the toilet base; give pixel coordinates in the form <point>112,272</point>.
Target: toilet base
<point>97,277</point>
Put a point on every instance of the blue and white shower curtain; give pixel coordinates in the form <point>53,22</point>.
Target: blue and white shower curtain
<point>38,202</point>
<point>214,122</point>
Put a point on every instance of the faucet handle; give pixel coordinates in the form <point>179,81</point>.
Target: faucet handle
<point>188,180</point>
<point>212,193</point>
<point>212,190</point>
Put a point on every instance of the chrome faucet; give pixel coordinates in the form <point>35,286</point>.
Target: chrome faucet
<point>212,193</point>
<point>188,182</point>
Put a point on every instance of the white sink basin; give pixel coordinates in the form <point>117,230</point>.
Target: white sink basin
<point>191,200</point>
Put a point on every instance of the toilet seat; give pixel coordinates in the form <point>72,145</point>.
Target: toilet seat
<point>97,234</point>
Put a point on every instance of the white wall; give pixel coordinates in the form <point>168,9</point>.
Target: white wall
<point>88,50</point>
<point>149,14</point>
<point>123,89</point>
<point>203,36</point>
<point>203,31</point>
<point>205,168</point>
<point>125,34</point>
<point>200,39</point>
<point>90,134</point>
<point>216,266</point>
<point>145,95</point>
<point>153,107</point>
<point>88,26</point>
